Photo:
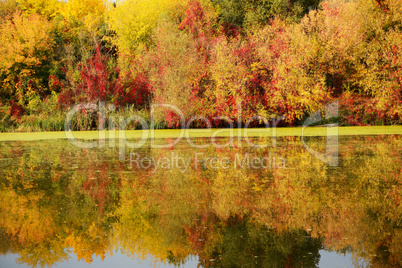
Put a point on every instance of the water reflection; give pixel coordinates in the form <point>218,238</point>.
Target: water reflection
<point>56,199</point>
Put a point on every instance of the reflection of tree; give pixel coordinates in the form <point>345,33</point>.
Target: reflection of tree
<point>44,208</point>
<point>88,201</point>
<point>145,227</point>
<point>246,245</point>
<point>41,254</point>
<point>93,241</point>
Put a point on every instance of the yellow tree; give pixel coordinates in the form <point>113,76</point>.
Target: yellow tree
<point>134,20</point>
<point>27,44</point>
<point>47,8</point>
<point>90,242</point>
<point>78,9</point>
<point>88,13</point>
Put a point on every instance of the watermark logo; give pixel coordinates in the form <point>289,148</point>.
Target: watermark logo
<point>203,161</point>
<point>234,133</point>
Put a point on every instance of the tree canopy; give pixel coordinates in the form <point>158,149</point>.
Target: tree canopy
<point>277,58</point>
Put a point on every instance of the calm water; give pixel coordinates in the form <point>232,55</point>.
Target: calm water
<point>230,207</point>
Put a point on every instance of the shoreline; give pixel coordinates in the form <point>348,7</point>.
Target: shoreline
<point>205,133</point>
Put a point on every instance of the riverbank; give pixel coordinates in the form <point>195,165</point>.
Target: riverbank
<point>204,133</point>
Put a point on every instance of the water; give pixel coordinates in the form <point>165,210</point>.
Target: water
<point>214,207</point>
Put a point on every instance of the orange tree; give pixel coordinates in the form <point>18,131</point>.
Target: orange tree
<point>25,55</point>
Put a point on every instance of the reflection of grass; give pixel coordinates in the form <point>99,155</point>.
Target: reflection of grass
<point>174,133</point>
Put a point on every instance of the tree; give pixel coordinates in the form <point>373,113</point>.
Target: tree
<point>7,8</point>
<point>27,44</point>
<point>173,66</point>
<point>79,9</point>
<point>99,79</point>
<point>246,14</point>
<point>356,46</point>
<point>84,23</point>
<point>134,20</point>
<point>46,8</point>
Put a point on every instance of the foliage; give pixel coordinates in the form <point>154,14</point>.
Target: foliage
<point>7,8</point>
<point>134,20</point>
<point>172,76</point>
<point>47,8</point>
<point>275,58</point>
<point>88,15</point>
<point>27,45</point>
<point>75,9</point>
<point>249,14</point>
<point>25,54</point>
<point>97,82</point>
<point>355,54</point>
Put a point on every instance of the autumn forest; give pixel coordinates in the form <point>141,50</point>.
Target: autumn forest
<point>275,58</point>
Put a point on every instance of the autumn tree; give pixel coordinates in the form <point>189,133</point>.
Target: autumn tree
<point>99,79</point>
<point>246,14</point>
<point>7,8</point>
<point>134,20</point>
<point>353,52</point>
<point>26,49</point>
<point>47,8</point>
<point>90,14</point>
<point>172,68</point>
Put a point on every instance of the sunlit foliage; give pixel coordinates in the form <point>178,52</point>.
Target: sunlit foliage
<point>276,58</point>
<point>47,8</point>
<point>27,44</point>
<point>134,20</point>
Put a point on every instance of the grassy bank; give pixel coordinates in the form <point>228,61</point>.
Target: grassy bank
<point>205,133</point>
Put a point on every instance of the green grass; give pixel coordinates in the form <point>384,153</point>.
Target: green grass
<point>195,133</point>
